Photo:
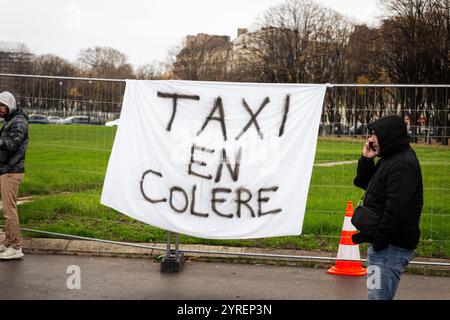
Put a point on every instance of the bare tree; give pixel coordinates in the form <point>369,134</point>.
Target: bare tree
<point>52,65</point>
<point>415,41</point>
<point>301,41</point>
<point>362,54</point>
<point>415,48</point>
<point>326,52</point>
<point>153,71</point>
<point>105,62</point>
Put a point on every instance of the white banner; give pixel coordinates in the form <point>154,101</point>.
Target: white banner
<point>215,160</point>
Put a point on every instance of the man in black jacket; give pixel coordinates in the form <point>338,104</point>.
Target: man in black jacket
<point>394,192</point>
<point>13,146</point>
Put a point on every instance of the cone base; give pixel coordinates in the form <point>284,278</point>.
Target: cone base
<point>354,272</point>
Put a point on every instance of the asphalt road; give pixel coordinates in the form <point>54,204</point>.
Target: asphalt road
<point>46,277</point>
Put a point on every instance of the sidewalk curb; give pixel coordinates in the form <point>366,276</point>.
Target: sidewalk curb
<point>92,248</point>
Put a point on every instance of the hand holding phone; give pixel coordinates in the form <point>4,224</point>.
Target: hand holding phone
<point>369,150</point>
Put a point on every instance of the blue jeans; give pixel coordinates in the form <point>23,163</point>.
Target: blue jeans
<point>384,270</point>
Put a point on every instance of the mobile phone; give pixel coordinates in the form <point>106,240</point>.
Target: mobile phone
<point>371,146</point>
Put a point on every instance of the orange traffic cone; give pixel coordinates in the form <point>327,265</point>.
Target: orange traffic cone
<point>348,263</point>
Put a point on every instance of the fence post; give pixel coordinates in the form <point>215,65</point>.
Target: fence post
<point>174,259</point>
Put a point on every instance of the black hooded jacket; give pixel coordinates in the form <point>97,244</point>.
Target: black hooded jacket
<point>13,142</point>
<point>393,187</point>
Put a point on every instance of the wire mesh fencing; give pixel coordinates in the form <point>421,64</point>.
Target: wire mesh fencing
<point>72,130</point>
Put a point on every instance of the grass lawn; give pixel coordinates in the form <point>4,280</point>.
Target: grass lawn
<point>66,166</point>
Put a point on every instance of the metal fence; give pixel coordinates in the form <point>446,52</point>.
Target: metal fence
<point>347,109</point>
<point>64,97</point>
<point>425,108</point>
<point>70,161</point>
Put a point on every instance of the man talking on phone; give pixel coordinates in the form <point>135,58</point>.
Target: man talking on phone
<point>394,193</point>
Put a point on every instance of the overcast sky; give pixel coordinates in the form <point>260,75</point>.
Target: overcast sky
<point>143,29</point>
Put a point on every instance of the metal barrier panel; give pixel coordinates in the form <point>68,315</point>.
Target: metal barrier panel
<point>67,160</point>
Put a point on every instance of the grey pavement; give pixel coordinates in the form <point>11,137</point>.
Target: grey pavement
<point>45,277</point>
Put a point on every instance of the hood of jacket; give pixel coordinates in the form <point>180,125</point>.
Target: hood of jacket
<point>8,100</point>
<point>16,112</point>
<point>391,133</point>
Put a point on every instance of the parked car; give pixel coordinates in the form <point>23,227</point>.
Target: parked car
<point>54,119</point>
<point>113,123</point>
<point>80,120</point>
<point>34,118</point>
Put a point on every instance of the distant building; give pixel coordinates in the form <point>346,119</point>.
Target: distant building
<point>244,49</point>
<point>15,58</point>
<point>215,57</point>
<point>203,57</point>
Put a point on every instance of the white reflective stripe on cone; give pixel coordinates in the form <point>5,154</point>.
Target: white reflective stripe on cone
<point>347,252</point>
<point>348,226</point>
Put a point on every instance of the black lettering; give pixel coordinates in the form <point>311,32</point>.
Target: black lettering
<point>201,163</point>
<point>285,114</point>
<point>241,201</point>
<point>193,212</point>
<point>186,201</point>
<point>214,200</point>
<point>253,118</point>
<point>142,186</point>
<point>218,105</point>
<point>260,213</point>
<point>234,174</point>
<point>175,98</point>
